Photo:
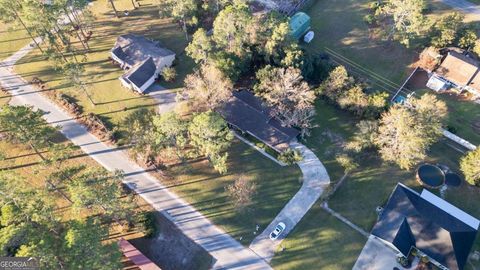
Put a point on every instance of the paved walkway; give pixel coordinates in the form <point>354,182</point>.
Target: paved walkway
<point>11,60</point>
<point>315,179</point>
<point>344,220</point>
<point>377,256</point>
<point>260,150</point>
<point>459,140</point>
<point>165,97</point>
<point>228,253</point>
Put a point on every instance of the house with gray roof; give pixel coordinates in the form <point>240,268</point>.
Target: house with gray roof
<point>143,59</point>
<point>247,113</point>
<point>427,224</point>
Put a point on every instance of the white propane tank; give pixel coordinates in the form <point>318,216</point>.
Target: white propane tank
<point>308,36</point>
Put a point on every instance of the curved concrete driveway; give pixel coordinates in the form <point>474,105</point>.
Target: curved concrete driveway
<point>315,179</point>
<point>165,98</point>
<point>228,253</point>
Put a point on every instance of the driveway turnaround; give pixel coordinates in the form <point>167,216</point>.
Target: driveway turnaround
<point>315,179</point>
<point>228,253</point>
<point>165,98</point>
<point>377,256</point>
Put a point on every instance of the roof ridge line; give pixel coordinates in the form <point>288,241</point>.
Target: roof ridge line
<point>269,118</point>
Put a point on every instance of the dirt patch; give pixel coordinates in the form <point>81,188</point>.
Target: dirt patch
<point>172,250</point>
<point>418,80</point>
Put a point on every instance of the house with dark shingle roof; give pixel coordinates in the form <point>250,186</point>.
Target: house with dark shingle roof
<point>429,224</point>
<point>246,112</point>
<point>143,58</point>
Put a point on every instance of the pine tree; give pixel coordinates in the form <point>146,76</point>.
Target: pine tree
<point>211,137</point>
<point>24,125</point>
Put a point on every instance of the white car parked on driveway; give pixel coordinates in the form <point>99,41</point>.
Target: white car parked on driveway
<point>277,231</point>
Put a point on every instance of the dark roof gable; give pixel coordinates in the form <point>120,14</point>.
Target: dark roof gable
<point>247,112</point>
<point>118,51</point>
<point>410,220</point>
<point>141,74</point>
<point>134,49</point>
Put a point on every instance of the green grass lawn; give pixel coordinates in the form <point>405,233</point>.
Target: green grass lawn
<point>339,26</point>
<point>371,184</point>
<point>12,38</point>
<point>320,241</point>
<point>198,184</point>
<point>374,179</point>
<point>340,29</point>
<point>326,140</point>
<point>463,115</point>
<point>341,32</point>
<point>22,161</point>
<point>4,98</point>
<point>113,102</point>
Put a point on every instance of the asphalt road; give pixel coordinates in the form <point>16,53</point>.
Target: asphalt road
<point>228,253</point>
<point>463,6</point>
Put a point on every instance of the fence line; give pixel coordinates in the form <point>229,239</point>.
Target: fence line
<point>403,85</point>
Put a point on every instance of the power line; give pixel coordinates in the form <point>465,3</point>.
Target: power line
<point>381,81</point>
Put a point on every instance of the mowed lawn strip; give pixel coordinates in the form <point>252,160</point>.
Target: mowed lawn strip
<point>371,184</point>
<point>463,115</point>
<point>113,102</point>
<point>327,139</point>
<point>202,187</point>
<point>323,242</point>
<point>339,26</point>
<point>4,98</point>
<point>320,241</point>
<point>12,39</point>
<point>22,161</point>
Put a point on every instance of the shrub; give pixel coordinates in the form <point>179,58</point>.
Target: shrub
<point>68,103</point>
<point>369,19</point>
<point>316,67</point>
<point>452,129</point>
<point>290,156</point>
<point>470,166</point>
<point>169,74</point>
<point>241,192</point>
<point>149,224</point>
<point>261,145</point>
<point>476,48</point>
<point>403,261</point>
<point>424,259</point>
<point>468,39</point>
<point>346,162</point>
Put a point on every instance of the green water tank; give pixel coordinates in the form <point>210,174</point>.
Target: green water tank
<point>299,25</point>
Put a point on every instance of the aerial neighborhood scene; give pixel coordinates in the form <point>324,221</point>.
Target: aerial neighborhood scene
<point>240,134</point>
